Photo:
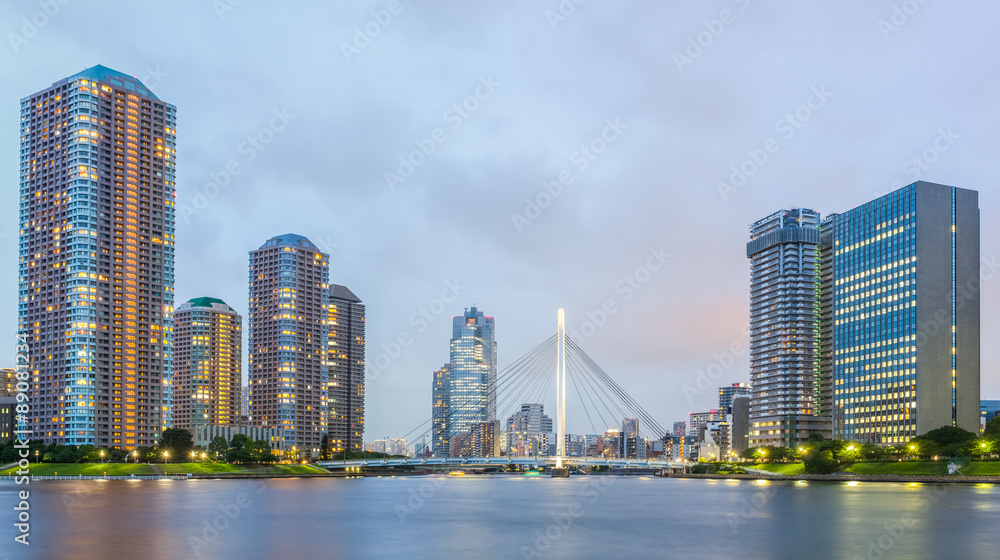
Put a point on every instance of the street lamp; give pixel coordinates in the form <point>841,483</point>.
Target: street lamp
<point>165,455</point>
<point>135,455</point>
<point>102,456</point>
<point>982,450</point>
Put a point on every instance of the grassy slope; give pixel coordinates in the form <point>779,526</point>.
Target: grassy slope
<point>936,468</point>
<point>782,468</point>
<point>88,469</point>
<point>117,469</point>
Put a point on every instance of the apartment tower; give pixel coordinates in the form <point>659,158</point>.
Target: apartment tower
<point>346,365</point>
<point>785,252</point>
<point>288,338</point>
<point>208,352</point>
<point>96,267</point>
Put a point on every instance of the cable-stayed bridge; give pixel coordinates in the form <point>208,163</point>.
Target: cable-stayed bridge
<point>529,380</point>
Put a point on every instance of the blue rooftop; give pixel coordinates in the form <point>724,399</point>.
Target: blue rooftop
<point>101,73</point>
<point>291,240</point>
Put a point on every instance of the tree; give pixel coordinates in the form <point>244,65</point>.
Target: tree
<point>992,430</point>
<point>178,442</point>
<point>947,441</point>
<point>241,441</point>
<point>324,448</point>
<point>815,437</point>
<point>820,461</point>
<point>218,447</point>
<point>292,455</point>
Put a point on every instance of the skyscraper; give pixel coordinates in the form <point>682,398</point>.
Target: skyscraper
<point>785,252</point>
<point>8,382</point>
<point>208,352</point>
<point>96,266</point>
<point>346,365</point>
<point>289,338</point>
<point>907,312</point>
<point>470,395</point>
<point>440,435</point>
<point>727,393</point>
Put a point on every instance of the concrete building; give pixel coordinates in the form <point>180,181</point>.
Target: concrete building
<point>680,429</point>
<point>464,391</point>
<point>907,314</point>
<point>96,269</point>
<point>8,382</point>
<point>346,370</point>
<point>486,439</point>
<point>397,446</point>
<point>527,431</point>
<point>739,424</point>
<point>727,393</point>
<point>785,252</point>
<point>289,338</point>
<point>208,357</point>
<point>631,444</point>
<point>697,420</point>
<point>203,435</point>
<point>8,418</point>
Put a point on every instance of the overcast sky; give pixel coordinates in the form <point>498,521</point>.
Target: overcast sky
<point>618,99</point>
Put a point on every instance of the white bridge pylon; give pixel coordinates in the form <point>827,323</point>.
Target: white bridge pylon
<point>560,389</point>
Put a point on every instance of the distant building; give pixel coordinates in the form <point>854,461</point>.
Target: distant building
<point>245,401</point>
<point>487,438</point>
<point>680,429</point>
<point>739,424</point>
<point>346,370</point>
<point>727,393</point>
<point>527,431</point>
<point>397,447</point>
<point>464,391</point>
<point>377,446</point>
<point>208,353</point>
<point>630,442</point>
<point>697,420</point>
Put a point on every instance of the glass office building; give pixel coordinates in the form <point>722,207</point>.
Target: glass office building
<point>906,314</point>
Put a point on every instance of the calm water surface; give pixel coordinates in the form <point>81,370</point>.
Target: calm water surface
<point>503,517</point>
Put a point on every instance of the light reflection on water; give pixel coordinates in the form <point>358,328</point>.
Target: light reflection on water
<point>504,517</point>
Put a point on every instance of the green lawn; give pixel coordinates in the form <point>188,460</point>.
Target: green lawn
<point>982,469</point>
<point>87,469</point>
<point>782,468</point>
<point>184,468</point>
<point>936,468</point>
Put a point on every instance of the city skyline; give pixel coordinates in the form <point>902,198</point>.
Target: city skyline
<point>595,234</point>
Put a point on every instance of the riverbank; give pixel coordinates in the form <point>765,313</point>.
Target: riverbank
<point>847,477</point>
<point>906,468</point>
<point>207,470</point>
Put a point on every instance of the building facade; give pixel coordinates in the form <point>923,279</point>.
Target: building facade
<point>96,269</point>
<point>739,424</point>
<point>289,338</point>
<point>464,392</point>
<point>8,382</point>
<point>346,365</point>
<point>785,252</point>
<point>907,314</point>
<point>727,393</point>
<point>208,357</point>
<point>527,431</point>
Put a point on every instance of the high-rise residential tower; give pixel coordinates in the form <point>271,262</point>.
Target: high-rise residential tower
<point>96,268</point>
<point>288,338</point>
<point>785,252</point>
<point>346,365</point>
<point>728,392</point>
<point>440,435</point>
<point>470,395</point>
<point>208,351</point>
<point>906,314</point>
